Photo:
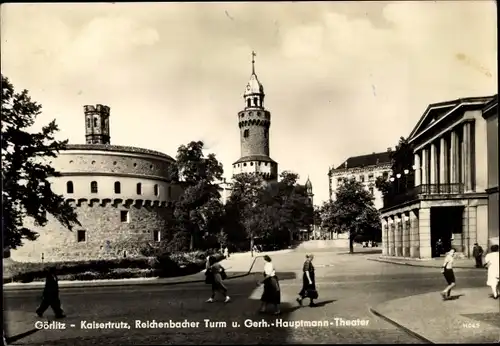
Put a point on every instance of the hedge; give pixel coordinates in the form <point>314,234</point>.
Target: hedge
<point>166,265</point>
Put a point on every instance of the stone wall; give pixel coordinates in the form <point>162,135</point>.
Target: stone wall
<point>107,236</point>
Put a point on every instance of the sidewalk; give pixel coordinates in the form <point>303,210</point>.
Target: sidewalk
<point>463,263</point>
<point>470,317</point>
<point>237,265</point>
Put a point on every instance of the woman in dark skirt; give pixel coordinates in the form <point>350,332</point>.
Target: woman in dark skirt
<point>308,282</point>
<point>272,291</point>
<point>216,275</point>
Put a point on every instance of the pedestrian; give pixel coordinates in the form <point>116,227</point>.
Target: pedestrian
<point>492,263</point>
<point>448,273</point>
<point>439,247</point>
<point>272,291</point>
<point>226,252</point>
<point>218,274</point>
<point>50,295</point>
<point>477,253</point>
<point>308,282</point>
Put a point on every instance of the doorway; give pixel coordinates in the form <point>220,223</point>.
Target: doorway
<point>445,222</point>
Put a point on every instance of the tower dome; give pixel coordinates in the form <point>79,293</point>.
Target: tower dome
<point>309,185</point>
<point>254,86</point>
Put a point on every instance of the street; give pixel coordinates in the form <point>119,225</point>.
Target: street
<point>348,286</point>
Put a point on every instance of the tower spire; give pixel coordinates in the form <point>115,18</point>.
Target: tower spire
<point>253,61</point>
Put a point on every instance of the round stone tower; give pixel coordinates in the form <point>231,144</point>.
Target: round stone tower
<point>254,122</point>
<point>309,189</point>
<point>97,124</point>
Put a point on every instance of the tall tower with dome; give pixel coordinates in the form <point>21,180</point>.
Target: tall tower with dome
<point>254,122</point>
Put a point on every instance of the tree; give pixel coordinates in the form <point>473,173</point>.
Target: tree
<point>199,210</point>
<point>26,170</point>
<point>353,211</point>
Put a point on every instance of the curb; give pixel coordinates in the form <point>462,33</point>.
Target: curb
<point>124,283</point>
<point>400,326</point>
<point>414,264</point>
<point>17,337</point>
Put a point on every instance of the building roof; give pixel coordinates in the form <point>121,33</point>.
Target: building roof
<point>262,158</point>
<point>366,160</point>
<point>117,148</point>
<point>490,108</point>
<point>254,86</point>
<point>437,111</point>
<point>308,183</point>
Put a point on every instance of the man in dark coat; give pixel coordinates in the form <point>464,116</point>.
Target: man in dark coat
<point>51,295</point>
<point>477,252</point>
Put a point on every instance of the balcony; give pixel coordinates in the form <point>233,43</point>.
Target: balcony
<point>414,193</point>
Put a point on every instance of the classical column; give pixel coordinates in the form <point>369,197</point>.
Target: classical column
<point>414,235</point>
<point>425,166</point>
<point>454,158</point>
<point>398,236</point>
<point>418,170</point>
<point>424,232</point>
<point>385,243</point>
<point>443,162</point>
<point>434,166</point>
<point>469,226</point>
<point>392,249</point>
<point>467,157</point>
<point>406,235</point>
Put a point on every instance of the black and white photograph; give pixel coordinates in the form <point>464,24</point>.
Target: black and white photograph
<point>212,173</point>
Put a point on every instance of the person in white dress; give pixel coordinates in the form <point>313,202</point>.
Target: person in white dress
<point>492,263</point>
<point>272,292</point>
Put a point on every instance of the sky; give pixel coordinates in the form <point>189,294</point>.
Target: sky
<point>341,78</point>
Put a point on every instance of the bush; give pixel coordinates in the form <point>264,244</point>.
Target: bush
<point>164,265</point>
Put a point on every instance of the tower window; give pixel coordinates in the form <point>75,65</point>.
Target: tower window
<point>156,236</point>
<point>370,176</point>
<point>95,122</point>
<point>371,190</point>
<point>156,190</point>
<point>255,101</point>
<point>69,187</point>
<point>88,122</point>
<point>246,133</point>
<point>362,178</point>
<point>249,103</point>
<point>124,216</point>
<point>118,187</point>
<point>93,187</point>
<point>251,163</point>
<point>139,188</point>
<point>81,236</point>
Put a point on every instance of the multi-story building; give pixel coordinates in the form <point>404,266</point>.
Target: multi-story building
<point>365,169</point>
<point>254,122</point>
<point>449,200</point>
<point>121,194</point>
<point>490,114</point>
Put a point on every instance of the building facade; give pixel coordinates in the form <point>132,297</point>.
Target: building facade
<point>122,195</point>
<point>449,200</point>
<point>490,114</point>
<point>365,169</point>
<point>254,122</point>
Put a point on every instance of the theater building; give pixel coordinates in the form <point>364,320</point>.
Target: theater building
<point>449,199</point>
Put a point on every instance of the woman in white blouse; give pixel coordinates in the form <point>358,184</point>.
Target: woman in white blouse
<point>492,263</point>
<point>272,292</point>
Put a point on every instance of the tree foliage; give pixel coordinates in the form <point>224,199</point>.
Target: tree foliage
<point>272,212</point>
<point>26,170</point>
<point>199,211</point>
<point>352,212</point>
<point>402,159</point>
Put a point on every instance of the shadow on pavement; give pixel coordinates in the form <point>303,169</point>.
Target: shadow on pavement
<point>232,323</point>
<point>323,303</point>
<point>455,297</point>
<point>362,252</point>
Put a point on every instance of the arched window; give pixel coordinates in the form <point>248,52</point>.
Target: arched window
<point>246,133</point>
<point>156,190</point>
<point>69,187</point>
<point>255,101</point>
<point>169,192</point>
<point>118,187</point>
<point>95,122</point>
<point>88,122</point>
<point>93,187</point>
<point>139,189</point>
<point>249,103</point>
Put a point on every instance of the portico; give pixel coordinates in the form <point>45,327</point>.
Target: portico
<point>448,200</point>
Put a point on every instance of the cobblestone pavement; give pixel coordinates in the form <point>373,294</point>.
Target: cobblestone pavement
<point>348,286</point>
